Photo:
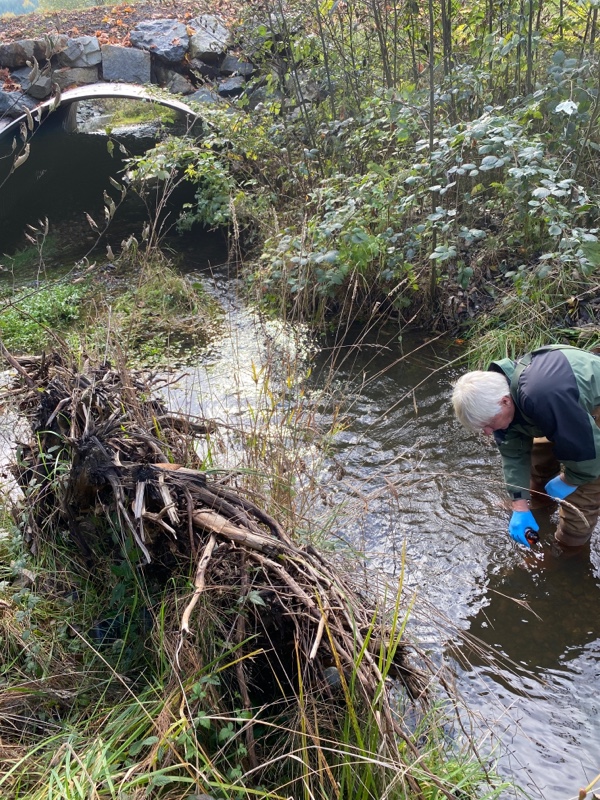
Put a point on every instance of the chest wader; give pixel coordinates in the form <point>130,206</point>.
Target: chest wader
<point>579,513</point>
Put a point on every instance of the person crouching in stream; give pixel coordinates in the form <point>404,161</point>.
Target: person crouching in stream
<point>543,411</point>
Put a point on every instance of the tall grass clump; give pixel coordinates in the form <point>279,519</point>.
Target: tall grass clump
<point>96,722</point>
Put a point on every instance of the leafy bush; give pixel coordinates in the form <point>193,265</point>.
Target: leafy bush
<point>353,235</point>
<point>178,160</point>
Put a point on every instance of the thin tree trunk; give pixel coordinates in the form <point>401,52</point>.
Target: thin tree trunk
<point>538,20</point>
<point>395,29</point>
<point>529,71</point>
<point>377,19</point>
<point>413,52</point>
<point>325,59</point>
<point>433,275</point>
<point>561,14</point>
<point>519,47</point>
<point>447,35</point>
<point>585,34</point>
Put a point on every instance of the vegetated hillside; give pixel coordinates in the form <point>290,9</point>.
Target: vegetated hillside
<point>17,6</point>
<point>432,165</point>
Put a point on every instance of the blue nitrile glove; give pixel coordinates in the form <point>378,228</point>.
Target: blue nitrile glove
<point>519,522</point>
<point>558,489</point>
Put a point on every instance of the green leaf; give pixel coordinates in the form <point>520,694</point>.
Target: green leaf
<point>591,250</point>
<point>254,597</point>
<point>544,270</point>
<point>489,162</point>
<point>226,733</point>
<point>137,746</point>
<point>162,780</point>
<point>567,107</point>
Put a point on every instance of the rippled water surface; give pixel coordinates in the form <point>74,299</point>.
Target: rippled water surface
<point>404,474</point>
<point>441,493</point>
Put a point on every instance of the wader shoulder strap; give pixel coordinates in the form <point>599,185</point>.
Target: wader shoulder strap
<point>514,381</point>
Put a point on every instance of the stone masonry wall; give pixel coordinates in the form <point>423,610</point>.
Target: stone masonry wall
<point>191,59</point>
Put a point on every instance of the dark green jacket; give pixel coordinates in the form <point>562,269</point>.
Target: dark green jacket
<point>555,390</point>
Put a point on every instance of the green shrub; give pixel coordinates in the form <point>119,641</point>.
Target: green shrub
<point>178,160</point>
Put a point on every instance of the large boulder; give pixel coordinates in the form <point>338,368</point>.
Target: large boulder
<point>165,38</point>
<point>83,51</point>
<point>75,76</point>
<point>203,95</point>
<point>172,80</point>
<point>203,70</point>
<point>13,104</point>
<point>17,54</point>
<point>210,38</point>
<point>126,64</point>
<point>40,88</point>
<point>232,65</point>
<point>232,87</point>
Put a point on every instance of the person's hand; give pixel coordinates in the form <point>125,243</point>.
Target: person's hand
<point>558,489</point>
<point>519,522</point>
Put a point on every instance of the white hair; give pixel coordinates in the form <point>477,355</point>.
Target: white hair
<point>476,397</point>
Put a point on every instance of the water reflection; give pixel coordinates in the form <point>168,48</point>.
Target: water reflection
<point>414,478</point>
<point>402,476</point>
<point>531,660</point>
<point>542,612</point>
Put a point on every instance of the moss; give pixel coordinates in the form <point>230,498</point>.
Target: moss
<point>133,112</point>
<point>33,318</point>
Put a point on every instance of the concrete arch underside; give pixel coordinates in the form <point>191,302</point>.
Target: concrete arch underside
<point>66,104</point>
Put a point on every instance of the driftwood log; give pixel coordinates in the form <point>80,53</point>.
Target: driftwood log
<point>103,445</point>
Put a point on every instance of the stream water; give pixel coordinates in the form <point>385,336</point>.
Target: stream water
<point>438,490</point>
<point>522,632</point>
<point>402,474</point>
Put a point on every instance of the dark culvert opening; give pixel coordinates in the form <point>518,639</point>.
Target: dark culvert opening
<point>67,178</point>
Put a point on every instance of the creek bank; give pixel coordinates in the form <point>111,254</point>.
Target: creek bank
<point>293,618</point>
